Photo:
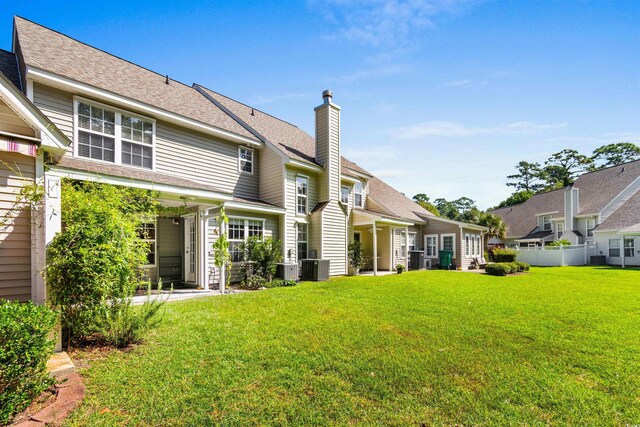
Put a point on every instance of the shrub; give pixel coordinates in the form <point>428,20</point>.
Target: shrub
<point>563,242</point>
<point>253,282</point>
<point>264,254</point>
<point>498,269</point>
<point>94,261</point>
<point>25,348</point>
<point>356,255</point>
<point>515,267</point>
<point>400,268</point>
<point>523,266</point>
<point>281,283</point>
<point>504,255</point>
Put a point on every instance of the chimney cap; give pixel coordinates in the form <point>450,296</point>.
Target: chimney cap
<point>327,94</point>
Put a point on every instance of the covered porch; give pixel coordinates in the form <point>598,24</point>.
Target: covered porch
<point>376,233</point>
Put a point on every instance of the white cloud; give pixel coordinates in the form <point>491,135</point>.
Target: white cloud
<point>455,129</point>
<point>385,23</point>
<point>385,71</point>
<point>456,83</point>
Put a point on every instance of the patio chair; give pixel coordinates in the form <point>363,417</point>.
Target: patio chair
<point>481,262</point>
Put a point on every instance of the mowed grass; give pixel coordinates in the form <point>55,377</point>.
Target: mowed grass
<point>558,346</point>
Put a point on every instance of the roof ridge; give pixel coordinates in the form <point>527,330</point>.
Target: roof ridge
<point>607,168</point>
<point>248,106</point>
<point>101,50</point>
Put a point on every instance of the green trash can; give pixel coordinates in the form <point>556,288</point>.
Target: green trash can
<point>445,259</point>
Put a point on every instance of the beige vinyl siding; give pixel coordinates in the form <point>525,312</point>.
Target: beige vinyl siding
<point>439,228</point>
<point>322,134</point>
<point>271,177</point>
<point>334,238</point>
<point>57,106</point>
<point>315,233</point>
<point>334,150</point>
<point>292,217</point>
<point>15,237</point>
<point>12,123</point>
<point>201,158</point>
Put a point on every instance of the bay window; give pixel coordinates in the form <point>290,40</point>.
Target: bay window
<point>109,135</point>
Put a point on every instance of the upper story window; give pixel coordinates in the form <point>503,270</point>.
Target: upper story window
<point>344,195</point>
<point>112,136</point>
<point>357,191</point>
<point>560,229</point>
<point>245,160</point>
<point>546,222</point>
<point>302,192</point>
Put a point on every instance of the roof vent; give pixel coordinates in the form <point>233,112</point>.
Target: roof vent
<point>327,95</point>
<point>167,79</point>
<point>253,112</point>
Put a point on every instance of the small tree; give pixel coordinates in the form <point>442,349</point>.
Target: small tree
<point>356,258</point>
<point>263,254</point>
<point>221,255</point>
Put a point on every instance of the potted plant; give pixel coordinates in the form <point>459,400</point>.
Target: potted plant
<point>399,268</point>
<point>356,259</point>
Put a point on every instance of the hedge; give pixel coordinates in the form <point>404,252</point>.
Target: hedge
<point>504,255</point>
<point>25,348</point>
<point>504,268</point>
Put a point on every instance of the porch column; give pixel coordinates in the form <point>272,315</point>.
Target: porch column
<point>202,251</point>
<point>375,250</point>
<point>391,260</point>
<point>622,249</point>
<point>223,269</point>
<point>406,248</point>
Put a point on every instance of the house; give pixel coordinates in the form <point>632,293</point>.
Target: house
<point>26,137</point>
<point>202,151</point>
<point>600,209</point>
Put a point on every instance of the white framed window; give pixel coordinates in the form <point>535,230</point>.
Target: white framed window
<point>431,245</point>
<point>344,195</point>
<point>478,246</point>
<point>629,247</point>
<point>357,192</point>
<point>403,243</point>
<point>147,233</point>
<point>559,229</point>
<point>448,243</point>
<point>591,224</point>
<point>302,240</point>
<point>238,231</point>
<point>546,222</point>
<point>106,134</point>
<point>467,244</point>
<point>614,248</point>
<point>412,241</point>
<point>245,160</point>
<point>302,194</point>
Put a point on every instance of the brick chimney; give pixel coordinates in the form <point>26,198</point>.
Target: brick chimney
<point>328,147</point>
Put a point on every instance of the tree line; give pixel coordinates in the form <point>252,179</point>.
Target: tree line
<point>562,168</point>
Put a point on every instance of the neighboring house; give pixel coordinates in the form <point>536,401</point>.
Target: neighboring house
<point>202,151</point>
<point>601,209</point>
<point>26,135</point>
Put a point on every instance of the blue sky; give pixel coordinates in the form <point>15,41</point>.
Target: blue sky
<point>442,97</point>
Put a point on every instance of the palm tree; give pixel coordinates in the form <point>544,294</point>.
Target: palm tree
<point>496,227</point>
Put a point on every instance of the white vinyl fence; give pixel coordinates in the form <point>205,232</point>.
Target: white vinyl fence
<point>556,256</point>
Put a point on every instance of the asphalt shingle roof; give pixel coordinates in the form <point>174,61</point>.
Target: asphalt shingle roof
<point>597,189</point>
<point>9,68</point>
<point>57,53</point>
<point>625,218</point>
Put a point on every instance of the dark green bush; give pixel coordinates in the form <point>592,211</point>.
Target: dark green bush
<point>277,283</point>
<point>25,348</point>
<point>515,267</point>
<point>262,256</point>
<point>523,266</point>
<point>253,282</point>
<point>498,269</point>
<point>504,255</point>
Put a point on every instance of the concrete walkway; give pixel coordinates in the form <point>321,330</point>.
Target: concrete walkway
<point>182,294</point>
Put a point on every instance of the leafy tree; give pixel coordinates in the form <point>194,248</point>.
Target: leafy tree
<point>263,254</point>
<point>423,200</point>
<point>562,168</point>
<point>447,209</point>
<point>515,199</point>
<point>614,154</point>
<point>527,178</point>
<point>356,255</point>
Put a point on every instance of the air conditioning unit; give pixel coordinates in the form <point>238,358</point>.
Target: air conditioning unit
<point>287,271</point>
<point>316,270</point>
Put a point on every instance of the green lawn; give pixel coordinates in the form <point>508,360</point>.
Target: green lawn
<point>557,346</point>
